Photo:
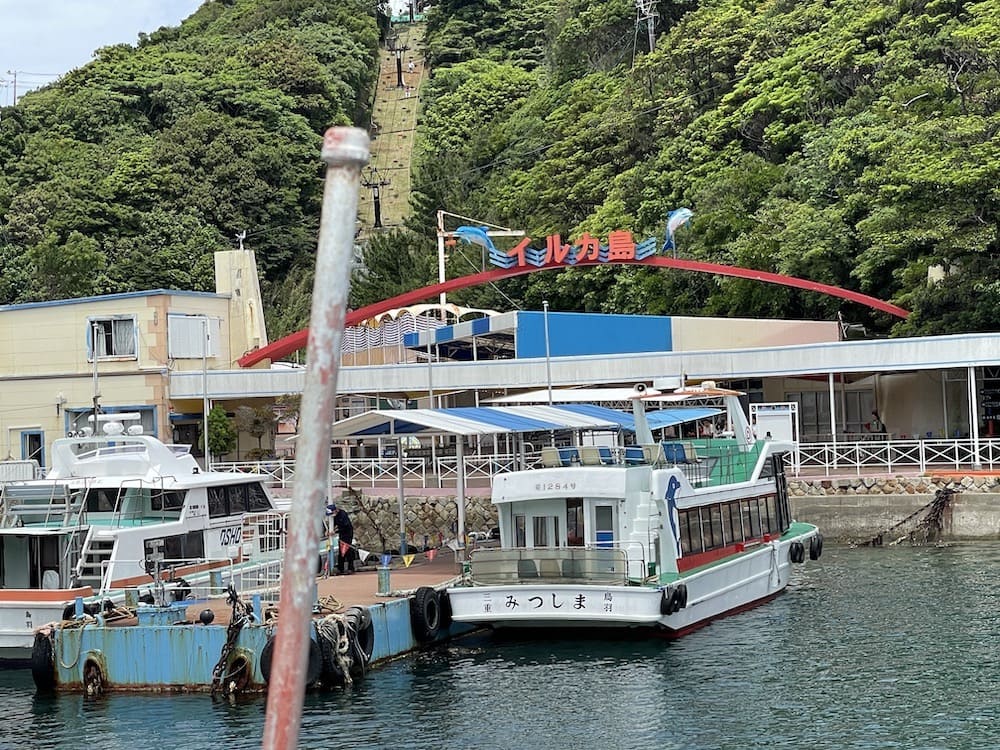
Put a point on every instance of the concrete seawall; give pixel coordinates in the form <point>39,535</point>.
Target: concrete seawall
<point>847,509</point>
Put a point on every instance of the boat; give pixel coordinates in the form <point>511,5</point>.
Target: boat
<point>656,537</point>
<point>121,517</point>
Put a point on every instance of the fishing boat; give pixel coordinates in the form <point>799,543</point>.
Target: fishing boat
<point>659,536</point>
<point>121,515</point>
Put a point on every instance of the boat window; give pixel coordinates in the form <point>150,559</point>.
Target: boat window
<point>604,526</point>
<point>751,518</point>
<point>711,519</point>
<point>768,518</point>
<point>519,535</point>
<point>189,546</point>
<point>731,524</point>
<point>257,499</point>
<point>102,500</point>
<point>167,500</point>
<point>540,531</point>
<point>217,504</point>
<point>575,536</point>
<point>237,495</point>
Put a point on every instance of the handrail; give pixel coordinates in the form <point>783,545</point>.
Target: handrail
<point>811,459</point>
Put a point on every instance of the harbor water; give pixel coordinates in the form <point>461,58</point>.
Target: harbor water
<point>869,648</point>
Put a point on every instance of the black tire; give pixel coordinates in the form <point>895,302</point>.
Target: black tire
<point>425,614</point>
<point>43,664</point>
<point>94,684</point>
<point>313,670</point>
<point>69,613</point>
<point>445,610</point>
<point>682,590</point>
<point>816,547</point>
<point>266,654</point>
<point>796,552</point>
<point>239,673</point>
<point>182,591</point>
<point>364,631</point>
<point>667,602</point>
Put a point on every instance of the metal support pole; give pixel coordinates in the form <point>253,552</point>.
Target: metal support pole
<point>977,463</point>
<point>460,489</point>
<point>833,419</point>
<point>204,391</point>
<point>402,496</point>
<point>345,151</point>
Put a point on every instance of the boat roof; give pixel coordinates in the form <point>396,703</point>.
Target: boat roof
<point>492,420</point>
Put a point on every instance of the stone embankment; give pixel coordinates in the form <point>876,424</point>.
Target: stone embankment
<point>847,509</point>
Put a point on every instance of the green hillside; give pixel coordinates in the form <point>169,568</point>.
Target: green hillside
<point>131,171</point>
<point>852,143</point>
<point>847,142</point>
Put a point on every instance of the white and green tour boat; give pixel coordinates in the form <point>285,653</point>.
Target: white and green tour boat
<point>664,536</point>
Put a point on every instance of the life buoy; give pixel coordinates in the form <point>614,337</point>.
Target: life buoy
<point>43,665</point>
<point>816,546</point>
<point>425,614</point>
<point>313,670</point>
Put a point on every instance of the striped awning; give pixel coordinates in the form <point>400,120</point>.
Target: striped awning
<point>492,420</point>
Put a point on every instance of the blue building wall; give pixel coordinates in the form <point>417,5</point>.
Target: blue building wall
<point>572,334</point>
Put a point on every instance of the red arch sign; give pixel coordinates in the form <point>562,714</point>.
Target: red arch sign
<point>295,341</point>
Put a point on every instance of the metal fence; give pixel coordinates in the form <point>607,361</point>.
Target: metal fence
<point>859,457</point>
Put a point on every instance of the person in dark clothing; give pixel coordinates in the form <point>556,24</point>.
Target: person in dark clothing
<point>341,523</point>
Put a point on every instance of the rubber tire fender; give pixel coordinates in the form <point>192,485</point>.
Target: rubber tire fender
<point>43,663</point>
<point>364,630</point>
<point>682,595</point>
<point>667,602</point>
<point>816,547</point>
<point>445,610</point>
<point>313,670</point>
<point>796,552</point>
<point>425,614</point>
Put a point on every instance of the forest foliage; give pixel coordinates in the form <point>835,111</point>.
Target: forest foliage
<point>128,173</point>
<point>842,141</point>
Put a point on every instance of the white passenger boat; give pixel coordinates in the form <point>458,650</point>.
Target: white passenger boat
<point>123,512</point>
<point>663,536</point>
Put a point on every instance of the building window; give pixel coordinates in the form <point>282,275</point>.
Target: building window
<point>112,337</point>
<point>192,336</point>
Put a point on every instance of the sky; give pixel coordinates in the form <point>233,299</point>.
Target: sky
<point>43,39</point>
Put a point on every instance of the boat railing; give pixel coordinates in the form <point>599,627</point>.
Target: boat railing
<point>45,503</point>
<point>595,565</point>
<point>199,578</point>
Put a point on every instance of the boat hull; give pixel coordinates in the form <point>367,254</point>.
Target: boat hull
<point>730,585</point>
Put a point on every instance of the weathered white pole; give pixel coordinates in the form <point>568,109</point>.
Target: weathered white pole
<point>345,151</point>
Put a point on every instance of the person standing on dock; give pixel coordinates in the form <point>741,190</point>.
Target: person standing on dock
<point>341,523</point>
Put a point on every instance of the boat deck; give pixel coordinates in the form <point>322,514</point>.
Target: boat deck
<point>338,593</point>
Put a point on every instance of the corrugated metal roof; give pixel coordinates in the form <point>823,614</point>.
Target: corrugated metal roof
<point>498,420</point>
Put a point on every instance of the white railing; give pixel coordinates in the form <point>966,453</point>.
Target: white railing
<point>813,459</point>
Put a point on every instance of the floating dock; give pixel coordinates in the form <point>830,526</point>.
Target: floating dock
<point>172,649</point>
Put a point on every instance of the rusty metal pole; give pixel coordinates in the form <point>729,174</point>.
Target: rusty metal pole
<point>345,151</point>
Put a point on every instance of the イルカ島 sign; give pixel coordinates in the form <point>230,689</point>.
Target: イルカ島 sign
<point>587,248</point>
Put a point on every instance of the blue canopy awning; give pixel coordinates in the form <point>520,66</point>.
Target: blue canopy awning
<point>491,420</point>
